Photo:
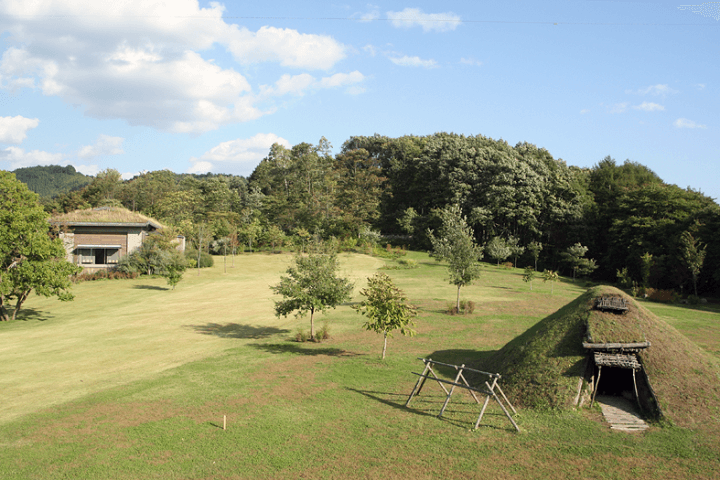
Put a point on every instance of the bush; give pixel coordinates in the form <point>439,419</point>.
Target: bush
<point>507,265</point>
<point>206,260</point>
<point>408,263</point>
<point>320,335</point>
<point>667,296</point>
<point>693,300</point>
<point>104,275</point>
<point>466,307</point>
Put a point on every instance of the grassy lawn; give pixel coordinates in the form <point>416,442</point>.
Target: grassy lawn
<point>132,380</point>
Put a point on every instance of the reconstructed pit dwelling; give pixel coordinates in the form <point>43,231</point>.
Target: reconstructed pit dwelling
<point>605,343</point>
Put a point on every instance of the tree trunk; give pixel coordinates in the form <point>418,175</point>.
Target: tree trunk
<point>384,343</point>
<point>457,302</point>
<point>21,299</point>
<point>312,325</point>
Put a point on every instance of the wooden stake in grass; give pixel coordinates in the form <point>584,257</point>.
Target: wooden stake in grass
<point>224,422</point>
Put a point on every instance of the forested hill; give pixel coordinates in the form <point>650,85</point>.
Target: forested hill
<point>625,222</point>
<point>53,180</point>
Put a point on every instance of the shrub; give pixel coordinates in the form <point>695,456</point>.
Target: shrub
<point>467,306</point>
<point>507,265</point>
<point>206,260</point>
<point>301,336</point>
<point>693,300</point>
<point>658,295</point>
<point>408,263</point>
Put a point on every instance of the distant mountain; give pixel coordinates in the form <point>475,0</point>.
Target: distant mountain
<point>52,180</point>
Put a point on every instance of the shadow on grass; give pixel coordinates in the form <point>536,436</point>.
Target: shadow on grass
<point>150,287</point>
<point>297,348</point>
<point>234,330</point>
<point>430,405</point>
<point>27,314</point>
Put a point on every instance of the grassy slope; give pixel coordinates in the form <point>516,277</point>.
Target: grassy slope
<point>330,410</point>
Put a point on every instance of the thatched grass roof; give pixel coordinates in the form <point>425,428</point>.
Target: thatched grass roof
<point>543,366</point>
<point>104,215</point>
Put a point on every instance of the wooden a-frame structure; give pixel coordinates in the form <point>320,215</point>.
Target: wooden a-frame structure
<point>489,390</point>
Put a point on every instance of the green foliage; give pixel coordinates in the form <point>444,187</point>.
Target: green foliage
<point>535,248</point>
<point>552,277</point>
<point>528,275</point>
<point>386,308</point>
<point>693,253</point>
<point>311,285</point>
<point>456,245</point>
<point>206,260</point>
<point>515,248</point>
<point>646,265</point>
<point>52,180</point>
<point>574,258</point>
<point>498,249</point>
<point>29,258</point>
<point>624,279</point>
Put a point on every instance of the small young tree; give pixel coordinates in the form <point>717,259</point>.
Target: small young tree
<point>552,277</point>
<point>386,308</point>
<point>646,264</point>
<point>528,276</point>
<point>311,285</point>
<point>515,248</point>
<point>498,249</point>
<point>456,245</point>
<point>693,254</point>
<point>535,248</point>
<point>174,265</point>
<point>574,258</point>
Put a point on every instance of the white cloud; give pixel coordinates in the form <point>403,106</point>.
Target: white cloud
<point>128,175</point>
<point>104,145</point>
<point>649,107</point>
<point>406,61</point>
<point>618,107</point>
<point>18,158</point>
<point>470,61</point>
<point>298,85</point>
<point>141,62</point>
<point>700,86</point>
<point>14,129</point>
<point>240,155</point>
<point>90,170</point>
<point>584,111</point>
<point>661,90</point>
<point>200,167</point>
<point>685,123</point>
<point>410,17</point>
<point>369,49</point>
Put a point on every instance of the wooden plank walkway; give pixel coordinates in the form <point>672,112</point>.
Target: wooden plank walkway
<point>621,414</point>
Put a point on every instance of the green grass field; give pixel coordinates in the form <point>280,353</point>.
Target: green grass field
<point>132,380</point>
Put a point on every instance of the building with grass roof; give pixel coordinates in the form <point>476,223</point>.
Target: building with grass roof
<point>557,362</point>
<point>97,238</point>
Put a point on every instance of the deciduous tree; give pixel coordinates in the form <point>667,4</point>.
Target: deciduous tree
<point>311,285</point>
<point>29,258</point>
<point>456,245</point>
<point>386,308</point>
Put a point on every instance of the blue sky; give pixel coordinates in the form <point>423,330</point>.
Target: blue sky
<point>195,87</point>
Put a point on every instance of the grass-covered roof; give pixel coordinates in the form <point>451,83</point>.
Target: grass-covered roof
<point>543,366</point>
<point>105,215</point>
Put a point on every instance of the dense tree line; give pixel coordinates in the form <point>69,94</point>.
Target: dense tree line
<point>623,216</point>
<point>52,180</point>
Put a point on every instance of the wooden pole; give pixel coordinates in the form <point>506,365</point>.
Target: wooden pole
<point>597,384</point>
<point>452,389</point>
<point>224,422</point>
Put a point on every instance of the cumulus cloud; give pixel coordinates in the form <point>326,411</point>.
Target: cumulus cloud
<point>14,129</point>
<point>411,17</point>
<point>141,61</point>
<point>649,107</point>
<point>237,156</point>
<point>685,123</point>
<point>470,61</point>
<point>406,61</point>
<point>104,145</point>
<point>661,90</point>
<point>89,170</point>
<point>298,85</point>
<point>17,157</point>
